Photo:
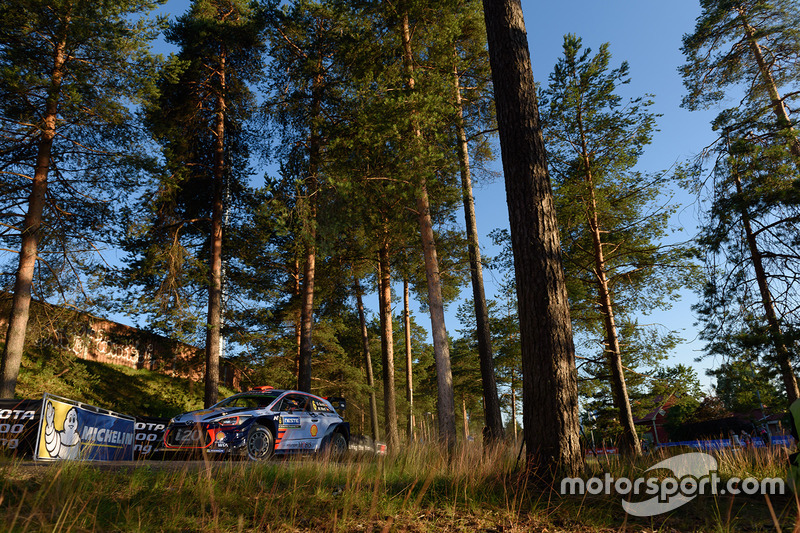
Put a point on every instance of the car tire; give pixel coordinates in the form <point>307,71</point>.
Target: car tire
<point>338,446</point>
<point>260,443</point>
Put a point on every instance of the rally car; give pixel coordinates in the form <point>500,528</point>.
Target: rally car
<point>259,423</point>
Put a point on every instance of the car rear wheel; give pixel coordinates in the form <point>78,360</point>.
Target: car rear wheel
<point>260,443</point>
<point>338,446</point>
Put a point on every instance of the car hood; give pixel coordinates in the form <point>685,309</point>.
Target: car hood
<point>208,415</point>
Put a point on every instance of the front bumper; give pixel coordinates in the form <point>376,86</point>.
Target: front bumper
<point>204,438</point>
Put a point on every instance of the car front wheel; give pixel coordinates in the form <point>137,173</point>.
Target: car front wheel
<point>260,443</point>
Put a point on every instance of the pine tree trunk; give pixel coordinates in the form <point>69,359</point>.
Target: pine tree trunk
<point>776,102</point>
<point>514,408</point>
<point>445,404</point>
<point>213,332</point>
<point>310,238</point>
<point>373,404</point>
<point>306,322</point>
<point>409,366</point>
<point>31,232</point>
<point>619,390</point>
<point>550,395</point>
<point>465,417</point>
<point>298,317</point>
<point>784,357</point>
<point>630,440</point>
<point>445,401</point>
<point>492,416</point>
<point>387,347</point>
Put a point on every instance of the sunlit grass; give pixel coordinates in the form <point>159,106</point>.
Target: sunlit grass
<point>419,488</point>
<point>299,494</point>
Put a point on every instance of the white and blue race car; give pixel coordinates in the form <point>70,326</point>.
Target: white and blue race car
<point>259,423</point>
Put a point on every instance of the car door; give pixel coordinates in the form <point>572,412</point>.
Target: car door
<point>323,417</point>
<point>295,424</point>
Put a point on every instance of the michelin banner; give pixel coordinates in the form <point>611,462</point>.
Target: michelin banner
<point>73,430</point>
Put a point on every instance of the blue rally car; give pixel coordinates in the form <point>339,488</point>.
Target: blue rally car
<point>259,423</point>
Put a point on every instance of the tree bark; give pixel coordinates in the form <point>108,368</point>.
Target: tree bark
<point>373,404</point>
<point>31,230</point>
<point>514,407</point>
<point>409,366</point>
<point>298,316</point>
<point>465,417</point>
<point>213,330</point>
<point>619,390</point>
<point>550,395</point>
<point>310,238</point>
<point>445,400</point>
<point>387,347</point>
<point>784,357</point>
<point>306,321</point>
<point>445,404</point>
<point>491,401</point>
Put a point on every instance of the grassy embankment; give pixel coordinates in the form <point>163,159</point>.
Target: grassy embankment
<point>417,489</point>
<point>118,388</point>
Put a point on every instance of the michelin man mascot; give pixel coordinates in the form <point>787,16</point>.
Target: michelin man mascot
<point>65,444</point>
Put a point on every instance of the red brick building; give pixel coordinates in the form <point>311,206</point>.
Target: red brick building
<point>97,339</point>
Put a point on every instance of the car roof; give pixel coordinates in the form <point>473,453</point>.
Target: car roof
<point>280,392</point>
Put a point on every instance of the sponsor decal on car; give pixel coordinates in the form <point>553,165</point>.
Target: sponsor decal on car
<point>299,445</point>
<point>314,430</point>
<point>279,436</point>
<point>189,435</point>
<point>290,422</point>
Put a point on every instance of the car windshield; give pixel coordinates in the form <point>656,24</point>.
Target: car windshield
<point>251,401</point>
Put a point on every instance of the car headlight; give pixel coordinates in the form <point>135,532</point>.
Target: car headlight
<point>231,421</point>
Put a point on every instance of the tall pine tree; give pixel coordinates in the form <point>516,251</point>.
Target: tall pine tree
<point>749,50</point>
<point>612,217</point>
<point>70,73</point>
<point>550,399</point>
<point>199,119</point>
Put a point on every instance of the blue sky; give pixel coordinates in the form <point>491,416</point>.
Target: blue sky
<point>646,34</point>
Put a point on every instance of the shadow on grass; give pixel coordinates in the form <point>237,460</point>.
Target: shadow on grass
<point>118,388</point>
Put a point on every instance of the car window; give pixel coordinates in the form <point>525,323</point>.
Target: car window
<point>294,402</point>
<point>252,402</point>
<point>256,401</point>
